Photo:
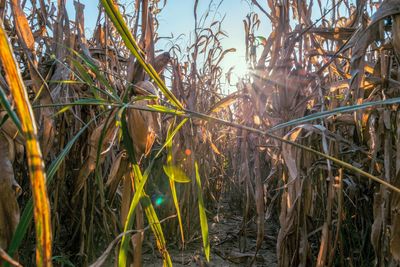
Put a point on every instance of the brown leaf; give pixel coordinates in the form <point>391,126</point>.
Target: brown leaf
<point>376,229</point>
<point>225,102</point>
<point>119,168</point>
<point>9,209</point>
<point>396,35</point>
<point>395,218</point>
<point>323,248</point>
<point>288,153</point>
<point>8,259</point>
<point>90,162</point>
<point>161,61</point>
<point>22,25</point>
<point>11,130</point>
<point>143,126</point>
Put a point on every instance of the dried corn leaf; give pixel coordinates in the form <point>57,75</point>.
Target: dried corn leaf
<point>225,102</point>
<point>119,168</point>
<point>143,125</point>
<point>395,219</point>
<point>106,130</point>
<point>33,151</point>
<point>10,129</point>
<point>9,209</point>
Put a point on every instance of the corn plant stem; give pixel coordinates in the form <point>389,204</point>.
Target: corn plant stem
<point>100,261</point>
<point>7,258</point>
<point>27,214</point>
<point>131,44</point>
<point>34,155</point>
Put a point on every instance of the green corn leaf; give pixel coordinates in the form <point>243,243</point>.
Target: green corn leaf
<point>119,23</point>
<point>4,120</point>
<point>178,211</point>
<point>163,109</point>
<point>65,82</point>
<point>145,97</point>
<point>202,214</point>
<point>176,174</point>
<point>171,136</point>
<point>79,102</point>
<point>139,196</point>
<point>27,214</point>
<point>6,105</point>
<point>168,145</point>
<point>84,76</point>
<point>83,73</point>
<point>34,157</point>
<point>99,75</point>
<point>155,226</point>
<point>124,247</point>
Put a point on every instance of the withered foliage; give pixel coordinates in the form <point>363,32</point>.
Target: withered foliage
<point>9,186</point>
<point>319,56</point>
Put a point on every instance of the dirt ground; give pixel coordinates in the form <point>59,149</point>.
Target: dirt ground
<point>225,240</point>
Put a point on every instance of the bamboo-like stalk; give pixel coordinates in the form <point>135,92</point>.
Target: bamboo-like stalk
<point>34,155</point>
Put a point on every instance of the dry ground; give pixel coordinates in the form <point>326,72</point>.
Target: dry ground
<point>225,243</point>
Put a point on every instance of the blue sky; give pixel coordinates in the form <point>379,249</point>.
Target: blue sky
<point>177,18</point>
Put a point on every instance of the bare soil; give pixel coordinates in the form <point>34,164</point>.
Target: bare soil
<point>228,246</point>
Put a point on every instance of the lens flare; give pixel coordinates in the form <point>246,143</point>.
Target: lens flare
<point>157,199</point>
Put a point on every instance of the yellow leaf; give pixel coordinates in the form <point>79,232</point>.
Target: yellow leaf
<point>176,174</point>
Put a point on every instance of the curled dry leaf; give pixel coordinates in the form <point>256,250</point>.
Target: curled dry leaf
<point>9,209</point>
<point>26,38</point>
<point>119,168</point>
<point>376,228</point>
<point>143,126</point>
<point>10,129</point>
<point>396,35</point>
<point>395,219</point>
<point>8,259</point>
<point>161,61</point>
<point>108,128</point>
<point>289,154</point>
<point>225,102</point>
